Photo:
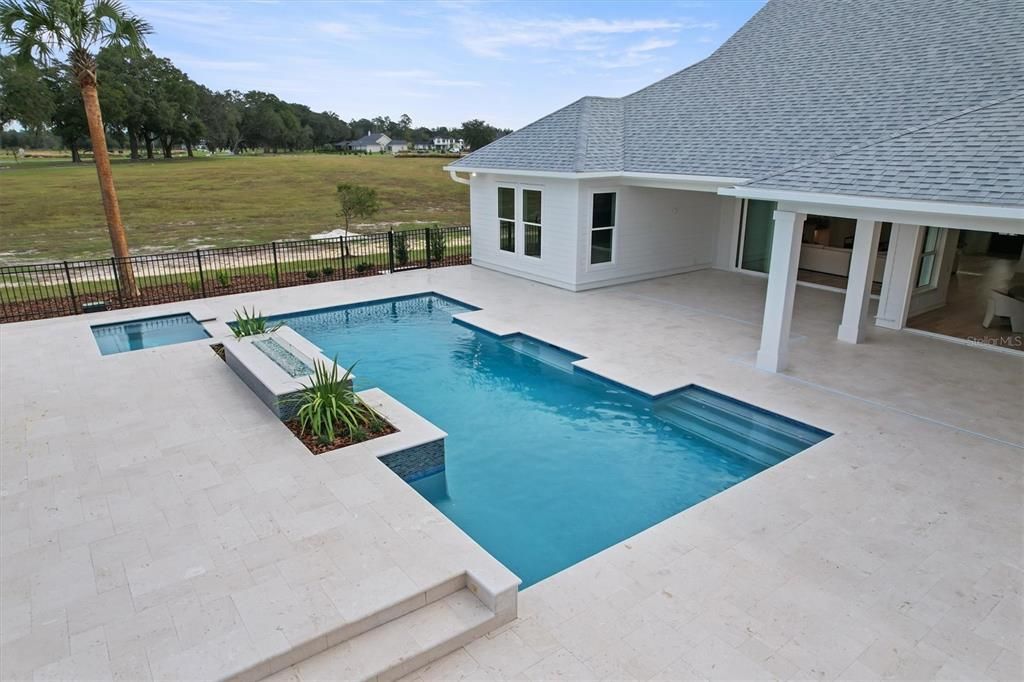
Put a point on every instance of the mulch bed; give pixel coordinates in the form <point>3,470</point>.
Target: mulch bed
<point>318,448</point>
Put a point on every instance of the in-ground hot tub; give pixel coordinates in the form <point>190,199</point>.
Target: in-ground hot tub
<point>276,366</point>
<point>149,332</point>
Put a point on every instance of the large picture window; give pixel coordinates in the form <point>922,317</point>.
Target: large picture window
<point>531,222</point>
<point>602,227</point>
<point>507,219</point>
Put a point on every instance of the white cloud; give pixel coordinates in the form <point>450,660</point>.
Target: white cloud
<point>496,37</point>
<point>636,54</point>
<point>446,83</point>
<point>336,29</point>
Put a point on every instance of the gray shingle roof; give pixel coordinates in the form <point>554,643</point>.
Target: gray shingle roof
<point>802,80</point>
<point>369,138</point>
<point>974,157</point>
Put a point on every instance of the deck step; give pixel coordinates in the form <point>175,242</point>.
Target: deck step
<point>398,647</point>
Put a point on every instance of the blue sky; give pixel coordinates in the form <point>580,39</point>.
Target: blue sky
<point>440,62</point>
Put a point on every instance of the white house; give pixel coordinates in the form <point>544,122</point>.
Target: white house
<point>850,143</point>
<point>371,143</point>
<point>448,144</point>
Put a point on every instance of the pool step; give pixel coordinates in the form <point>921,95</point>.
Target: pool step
<point>400,646</point>
<point>738,428</point>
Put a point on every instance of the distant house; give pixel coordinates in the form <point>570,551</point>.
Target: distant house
<point>373,143</point>
<point>448,144</point>
<point>370,143</point>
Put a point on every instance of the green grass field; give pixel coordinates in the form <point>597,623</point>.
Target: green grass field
<point>51,209</point>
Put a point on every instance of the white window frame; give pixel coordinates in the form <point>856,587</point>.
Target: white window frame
<point>523,189</point>
<point>937,255</point>
<point>517,211</point>
<point>519,224</point>
<point>614,228</point>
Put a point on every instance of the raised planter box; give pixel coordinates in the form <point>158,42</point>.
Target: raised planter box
<point>276,366</point>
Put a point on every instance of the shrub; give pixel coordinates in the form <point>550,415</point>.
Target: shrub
<point>362,267</point>
<point>401,242</point>
<point>252,323</point>
<point>437,245</point>
<point>328,271</point>
<point>223,278</point>
<point>312,274</point>
<point>329,406</point>
<point>195,285</point>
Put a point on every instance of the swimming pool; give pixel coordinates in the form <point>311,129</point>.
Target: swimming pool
<point>151,332</point>
<point>546,465</point>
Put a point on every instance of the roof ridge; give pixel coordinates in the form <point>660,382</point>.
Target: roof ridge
<point>889,138</point>
<point>580,160</point>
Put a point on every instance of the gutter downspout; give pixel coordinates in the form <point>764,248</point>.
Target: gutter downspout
<point>457,178</point>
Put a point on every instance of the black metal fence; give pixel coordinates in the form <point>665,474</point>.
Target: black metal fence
<point>29,292</point>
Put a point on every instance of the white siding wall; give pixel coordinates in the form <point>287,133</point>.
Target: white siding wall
<point>559,228</point>
<point>658,232</point>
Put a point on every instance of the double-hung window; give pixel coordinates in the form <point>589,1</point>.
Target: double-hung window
<point>602,227</point>
<point>507,219</point>
<point>928,257</point>
<point>519,219</point>
<point>531,222</point>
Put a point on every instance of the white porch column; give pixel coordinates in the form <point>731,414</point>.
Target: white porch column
<point>898,280</point>
<point>778,305</point>
<point>858,285</point>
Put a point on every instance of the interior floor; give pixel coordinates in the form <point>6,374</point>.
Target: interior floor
<point>969,288</point>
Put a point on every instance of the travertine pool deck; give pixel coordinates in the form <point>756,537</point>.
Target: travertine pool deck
<point>156,520</point>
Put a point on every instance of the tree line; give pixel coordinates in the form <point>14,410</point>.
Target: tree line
<point>150,107</point>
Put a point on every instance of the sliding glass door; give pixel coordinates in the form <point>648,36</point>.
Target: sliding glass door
<point>758,225</point>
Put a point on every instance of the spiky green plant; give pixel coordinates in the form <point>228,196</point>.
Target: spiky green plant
<point>329,406</point>
<point>252,323</point>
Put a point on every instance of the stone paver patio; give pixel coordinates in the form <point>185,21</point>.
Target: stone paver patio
<point>157,520</point>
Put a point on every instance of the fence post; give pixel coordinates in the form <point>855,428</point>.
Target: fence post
<point>277,275</point>
<point>426,244</point>
<point>391,251</point>
<point>202,280</point>
<point>117,279</point>
<point>71,288</point>
<point>344,248</point>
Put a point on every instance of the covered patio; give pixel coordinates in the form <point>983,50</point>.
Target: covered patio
<point>911,265</point>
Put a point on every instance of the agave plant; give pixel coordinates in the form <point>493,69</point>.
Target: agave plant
<point>329,406</point>
<point>252,323</point>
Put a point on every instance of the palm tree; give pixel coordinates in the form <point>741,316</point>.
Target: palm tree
<point>71,32</point>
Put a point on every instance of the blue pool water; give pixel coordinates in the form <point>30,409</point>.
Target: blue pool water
<point>545,465</point>
<point>148,333</point>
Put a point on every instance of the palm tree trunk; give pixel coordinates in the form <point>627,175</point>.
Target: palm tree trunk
<point>109,193</point>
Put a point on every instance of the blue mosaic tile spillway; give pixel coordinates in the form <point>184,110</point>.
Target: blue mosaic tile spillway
<point>546,465</point>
